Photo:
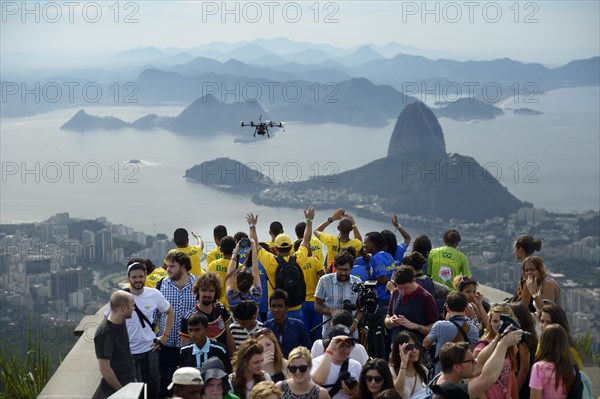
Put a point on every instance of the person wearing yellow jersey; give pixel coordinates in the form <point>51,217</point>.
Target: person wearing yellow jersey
<point>283,248</point>
<point>316,247</point>
<point>154,274</point>
<point>313,269</point>
<point>181,239</point>
<point>336,243</point>
<point>219,266</point>
<point>219,232</point>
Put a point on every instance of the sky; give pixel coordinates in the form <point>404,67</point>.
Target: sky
<point>550,32</point>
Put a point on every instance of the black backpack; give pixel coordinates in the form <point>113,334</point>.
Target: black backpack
<point>289,277</point>
<point>576,390</point>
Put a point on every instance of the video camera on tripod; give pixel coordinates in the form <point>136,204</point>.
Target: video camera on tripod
<point>368,301</point>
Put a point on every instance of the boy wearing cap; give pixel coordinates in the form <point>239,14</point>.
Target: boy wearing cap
<point>187,383</point>
<point>282,247</point>
<point>333,369</point>
<point>216,380</point>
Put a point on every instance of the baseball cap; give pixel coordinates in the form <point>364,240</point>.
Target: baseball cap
<point>341,330</point>
<point>213,368</point>
<point>186,376</point>
<point>283,241</point>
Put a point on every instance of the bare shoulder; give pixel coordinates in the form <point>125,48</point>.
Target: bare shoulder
<point>323,394</point>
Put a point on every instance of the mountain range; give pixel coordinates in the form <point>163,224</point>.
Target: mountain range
<point>233,71</point>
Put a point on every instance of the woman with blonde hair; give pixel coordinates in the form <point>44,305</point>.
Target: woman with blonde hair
<point>299,385</point>
<point>274,364</point>
<point>506,386</point>
<point>247,366</point>
<point>538,287</point>
<point>265,390</point>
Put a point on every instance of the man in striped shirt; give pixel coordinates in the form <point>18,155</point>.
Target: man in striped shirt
<point>245,324</point>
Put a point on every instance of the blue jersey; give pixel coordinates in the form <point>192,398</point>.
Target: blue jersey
<point>382,263</point>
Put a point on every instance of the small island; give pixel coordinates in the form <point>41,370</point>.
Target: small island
<point>527,111</point>
<point>229,175</point>
<point>468,109</point>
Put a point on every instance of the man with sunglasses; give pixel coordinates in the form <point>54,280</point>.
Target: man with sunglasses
<point>334,370</point>
<point>459,365</point>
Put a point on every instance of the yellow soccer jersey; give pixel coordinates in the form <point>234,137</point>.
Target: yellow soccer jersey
<point>153,278</point>
<point>195,254</point>
<point>213,255</point>
<point>316,248</point>
<point>335,245</point>
<point>219,267</point>
<point>270,264</point>
<point>310,268</point>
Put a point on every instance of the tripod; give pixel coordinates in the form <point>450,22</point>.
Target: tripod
<point>373,340</point>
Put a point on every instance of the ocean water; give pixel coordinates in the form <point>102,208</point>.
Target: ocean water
<point>550,160</point>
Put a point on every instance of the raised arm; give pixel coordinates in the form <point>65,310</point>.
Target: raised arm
<point>401,230</point>
<point>231,268</point>
<point>337,215</point>
<point>357,235</point>
<point>252,220</point>
<point>309,215</point>
<point>493,366</point>
<point>198,239</point>
<point>255,274</point>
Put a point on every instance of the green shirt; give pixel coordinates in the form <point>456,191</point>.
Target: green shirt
<point>445,263</point>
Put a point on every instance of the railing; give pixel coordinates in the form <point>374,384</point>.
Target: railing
<point>78,375</point>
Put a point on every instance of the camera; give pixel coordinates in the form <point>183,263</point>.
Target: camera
<point>348,305</point>
<point>245,242</point>
<point>368,301</point>
<point>509,321</point>
<point>347,378</point>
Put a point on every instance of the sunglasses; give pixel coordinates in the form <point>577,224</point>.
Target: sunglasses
<point>472,361</point>
<point>374,378</point>
<point>412,347</point>
<point>294,369</point>
<point>260,333</point>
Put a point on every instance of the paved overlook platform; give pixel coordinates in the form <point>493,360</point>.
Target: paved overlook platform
<point>78,375</point>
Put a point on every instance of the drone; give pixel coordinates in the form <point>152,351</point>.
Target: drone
<point>262,127</point>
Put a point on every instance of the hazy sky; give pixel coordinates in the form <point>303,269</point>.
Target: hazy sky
<point>552,32</point>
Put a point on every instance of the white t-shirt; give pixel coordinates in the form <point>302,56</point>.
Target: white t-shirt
<point>354,368</point>
<point>359,353</point>
<point>141,340</point>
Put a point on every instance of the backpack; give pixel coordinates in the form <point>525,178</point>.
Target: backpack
<point>461,336</point>
<point>576,390</point>
<point>289,277</point>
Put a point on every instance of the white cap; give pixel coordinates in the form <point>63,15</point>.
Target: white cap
<point>186,376</point>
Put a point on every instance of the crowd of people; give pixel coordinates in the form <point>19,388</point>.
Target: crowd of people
<point>333,316</point>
